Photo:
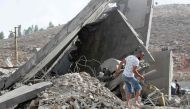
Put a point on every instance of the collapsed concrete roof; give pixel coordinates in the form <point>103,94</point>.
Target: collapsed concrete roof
<point>57,45</point>
<point>110,36</point>
<point>113,37</point>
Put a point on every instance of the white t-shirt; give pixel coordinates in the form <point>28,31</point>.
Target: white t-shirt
<point>130,62</point>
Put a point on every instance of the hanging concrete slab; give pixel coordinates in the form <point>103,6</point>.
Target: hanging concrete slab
<point>113,37</point>
<point>57,45</point>
<point>139,14</point>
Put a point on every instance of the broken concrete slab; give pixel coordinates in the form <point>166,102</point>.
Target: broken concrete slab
<point>139,14</point>
<point>114,83</point>
<point>164,71</point>
<point>110,64</point>
<point>59,69</point>
<point>8,62</point>
<point>57,45</point>
<point>22,94</point>
<point>68,39</point>
<point>63,61</point>
<point>113,37</point>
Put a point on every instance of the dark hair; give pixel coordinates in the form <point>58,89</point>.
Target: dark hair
<point>138,50</point>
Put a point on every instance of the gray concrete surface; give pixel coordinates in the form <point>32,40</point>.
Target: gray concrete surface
<point>110,64</point>
<point>57,45</point>
<point>164,71</point>
<point>113,37</point>
<point>124,43</point>
<point>139,14</point>
<point>22,94</point>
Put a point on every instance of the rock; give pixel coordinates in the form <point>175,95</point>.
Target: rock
<point>110,64</point>
<point>85,96</point>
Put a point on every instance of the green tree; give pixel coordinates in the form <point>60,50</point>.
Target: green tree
<point>25,32</point>
<point>36,28</point>
<point>41,29</point>
<point>50,25</point>
<point>11,35</point>
<point>2,35</point>
<point>28,31</point>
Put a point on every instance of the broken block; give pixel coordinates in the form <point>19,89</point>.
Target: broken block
<point>22,94</point>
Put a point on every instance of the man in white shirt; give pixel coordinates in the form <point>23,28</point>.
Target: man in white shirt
<point>131,63</point>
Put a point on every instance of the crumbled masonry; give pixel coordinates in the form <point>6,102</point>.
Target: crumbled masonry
<point>78,90</point>
<point>81,59</point>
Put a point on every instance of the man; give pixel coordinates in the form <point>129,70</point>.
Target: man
<point>131,63</point>
<point>177,86</point>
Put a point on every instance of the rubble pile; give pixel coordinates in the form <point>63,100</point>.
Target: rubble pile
<point>153,96</point>
<point>78,91</point>
<point>6,72</point>
<point>86,37</point>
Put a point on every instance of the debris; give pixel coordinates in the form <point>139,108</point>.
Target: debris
<point>8,62</point>
<point>6,72</point>
<point>22,94</point>
<point>114,83</point>
<point>110,64</point>
<point>152,95</point>
<point>96,28</point>
<point>81,91</point>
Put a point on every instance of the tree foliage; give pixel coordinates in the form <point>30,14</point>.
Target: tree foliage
<point>50,25</point>
<point>29,30</point>
<point>2,35</point>
<point>36,28</point>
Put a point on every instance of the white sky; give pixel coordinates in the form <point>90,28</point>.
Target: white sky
<point>40,12</point>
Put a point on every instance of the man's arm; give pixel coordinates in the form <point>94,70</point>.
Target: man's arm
<point>119,68</point>
<point>135,71</point>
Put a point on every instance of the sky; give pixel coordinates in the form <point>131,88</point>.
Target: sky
<point>41,12</point>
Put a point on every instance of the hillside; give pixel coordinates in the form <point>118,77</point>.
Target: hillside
<point>26,45</point>
<point>171,30</point>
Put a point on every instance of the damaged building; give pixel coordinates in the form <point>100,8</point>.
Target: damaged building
<point>104,29</point>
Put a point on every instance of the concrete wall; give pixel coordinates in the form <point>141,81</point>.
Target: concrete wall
<point>114,37</point>
<point>139,14</point>
<point>164,74</point>
<point>22,94</point>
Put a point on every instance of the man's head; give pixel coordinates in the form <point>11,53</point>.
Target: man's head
<point>175,81</point>
<point>139,54</point>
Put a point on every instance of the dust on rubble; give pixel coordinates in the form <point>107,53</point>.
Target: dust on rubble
<point>78,90</point>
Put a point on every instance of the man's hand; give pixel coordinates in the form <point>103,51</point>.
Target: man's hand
<point>142,77</point>
<point>118,70</point>
<point>116,74</point>
<point>135,71</point>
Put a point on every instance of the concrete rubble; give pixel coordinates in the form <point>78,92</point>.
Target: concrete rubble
<point>7,72</point>
<point>104,32</point>
<point>78,91</point>
<point>22,94</point>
